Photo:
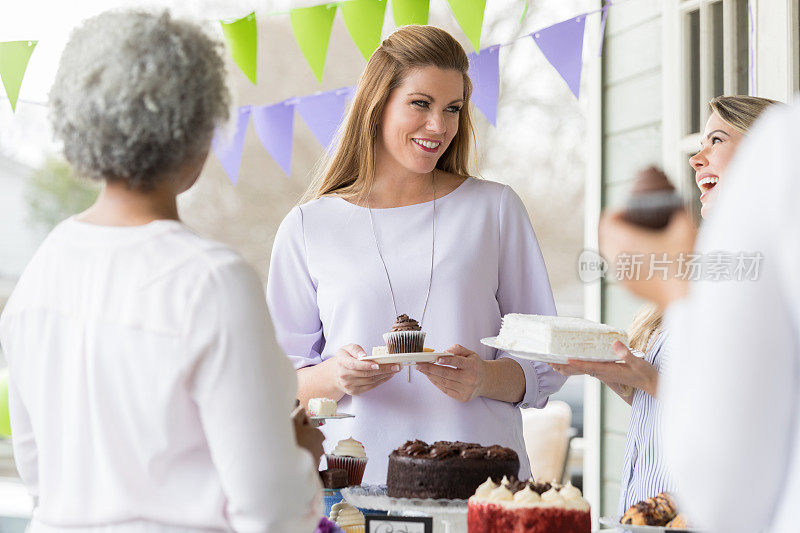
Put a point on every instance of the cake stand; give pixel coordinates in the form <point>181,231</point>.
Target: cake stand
<point>449,516</point>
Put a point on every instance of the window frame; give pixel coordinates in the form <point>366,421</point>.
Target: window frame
<point>678,141</point>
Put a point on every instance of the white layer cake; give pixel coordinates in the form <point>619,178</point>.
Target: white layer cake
<point>321,407</point>
<point>559,335</point>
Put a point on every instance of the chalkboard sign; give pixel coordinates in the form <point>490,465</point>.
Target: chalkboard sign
<point>399,524</point>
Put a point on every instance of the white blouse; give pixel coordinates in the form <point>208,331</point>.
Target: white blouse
<point>327,288</point>
<point>147,393</point>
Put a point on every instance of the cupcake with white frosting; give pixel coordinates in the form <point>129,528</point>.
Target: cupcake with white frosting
<point>347,517</point>
<point>350,455</point>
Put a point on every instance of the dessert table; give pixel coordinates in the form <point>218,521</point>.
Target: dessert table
<point>449,516</point>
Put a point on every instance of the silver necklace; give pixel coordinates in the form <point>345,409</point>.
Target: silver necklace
<point>433,247</point>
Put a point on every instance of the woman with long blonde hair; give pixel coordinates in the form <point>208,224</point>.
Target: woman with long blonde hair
<point>395,225</point>
<point>635,379</point>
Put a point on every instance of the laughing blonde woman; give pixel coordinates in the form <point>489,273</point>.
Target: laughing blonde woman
<point>636,380</point>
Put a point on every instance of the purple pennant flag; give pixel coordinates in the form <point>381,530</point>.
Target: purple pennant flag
<point>323,113</point>
<point>484,70</point>
<point>229,149</point>
<point>274,126</point>
<point>562,45</point>
<point>351,93</point>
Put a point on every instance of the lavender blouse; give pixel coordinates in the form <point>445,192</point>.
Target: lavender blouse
<point>327,288</point>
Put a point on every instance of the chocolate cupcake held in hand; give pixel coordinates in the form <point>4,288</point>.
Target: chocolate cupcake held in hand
<point>653,199</point>
<point>406,336</point>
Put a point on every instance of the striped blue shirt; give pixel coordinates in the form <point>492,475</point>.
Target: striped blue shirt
<point>644,473</point>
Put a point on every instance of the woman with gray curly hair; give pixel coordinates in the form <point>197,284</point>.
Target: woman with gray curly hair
<point>147,392</point>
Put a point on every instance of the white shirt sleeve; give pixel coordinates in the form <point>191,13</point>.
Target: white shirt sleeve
<point>730,393</point>
<point>26,454</point>
<point>523,286</point>
<point>292,295</point>
<point>244,388</point>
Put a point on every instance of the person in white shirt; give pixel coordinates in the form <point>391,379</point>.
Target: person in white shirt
<point>147,391</point>
<point>731,405</point>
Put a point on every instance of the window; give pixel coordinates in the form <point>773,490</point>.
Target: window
<point>706,55</point>
<point>794,21</point>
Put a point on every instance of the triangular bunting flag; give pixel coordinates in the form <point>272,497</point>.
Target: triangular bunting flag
<point>562,45</point>
<point>484,70</point>
<point>14,57</point>
<point>242,37</point>
<point>324,113</point>
<point>410,11</point>
<point>5,419</point>
<point>312,31</point>
<point>275,126</point>
<point>364,21</point>
<point>229,149</point>
<point>469,14</point>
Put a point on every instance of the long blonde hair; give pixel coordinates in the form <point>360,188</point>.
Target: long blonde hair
<point>740,112</point>
<point>350,171</point>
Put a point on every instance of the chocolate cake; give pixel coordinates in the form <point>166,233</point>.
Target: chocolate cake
<point>451,470</point>
<point>333,478</point>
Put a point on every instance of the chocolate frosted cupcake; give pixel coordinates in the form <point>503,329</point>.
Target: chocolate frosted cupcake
<point>653,199</point>
<point>406,336</point>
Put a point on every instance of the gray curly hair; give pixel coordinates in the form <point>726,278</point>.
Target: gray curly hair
<point>137,95</point>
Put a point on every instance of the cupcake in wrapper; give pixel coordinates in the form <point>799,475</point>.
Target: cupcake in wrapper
<point>347,517</point>
<point>406,336</point>
<point>349,455</point>
<point>653,200</point>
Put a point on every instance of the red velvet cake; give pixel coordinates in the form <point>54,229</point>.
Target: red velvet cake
<point>527,507</point>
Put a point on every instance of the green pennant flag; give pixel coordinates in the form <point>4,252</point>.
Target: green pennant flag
<point>312,31</point>
<point>242,37</point>
<point>14,56</point>
<point>410,11</point>
<point>5,421</point>
<point>364,21</point>
<point>469,14</point>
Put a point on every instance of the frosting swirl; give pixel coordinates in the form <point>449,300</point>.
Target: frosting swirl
<point>527,496</point>
<point>514,493</point>
<point>485,489</point>
<point>404,323</point>
<point>552,497</point>
<point>573,499</point>
<point>501,494</point>
<point>441,450</point>
<point>346,515</point>
<point>349,448</point>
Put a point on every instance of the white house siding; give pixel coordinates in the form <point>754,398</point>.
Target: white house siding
<point>631,138</point>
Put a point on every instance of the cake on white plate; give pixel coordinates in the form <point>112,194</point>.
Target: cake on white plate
<point>559,335</point>
<point>321,407</point>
